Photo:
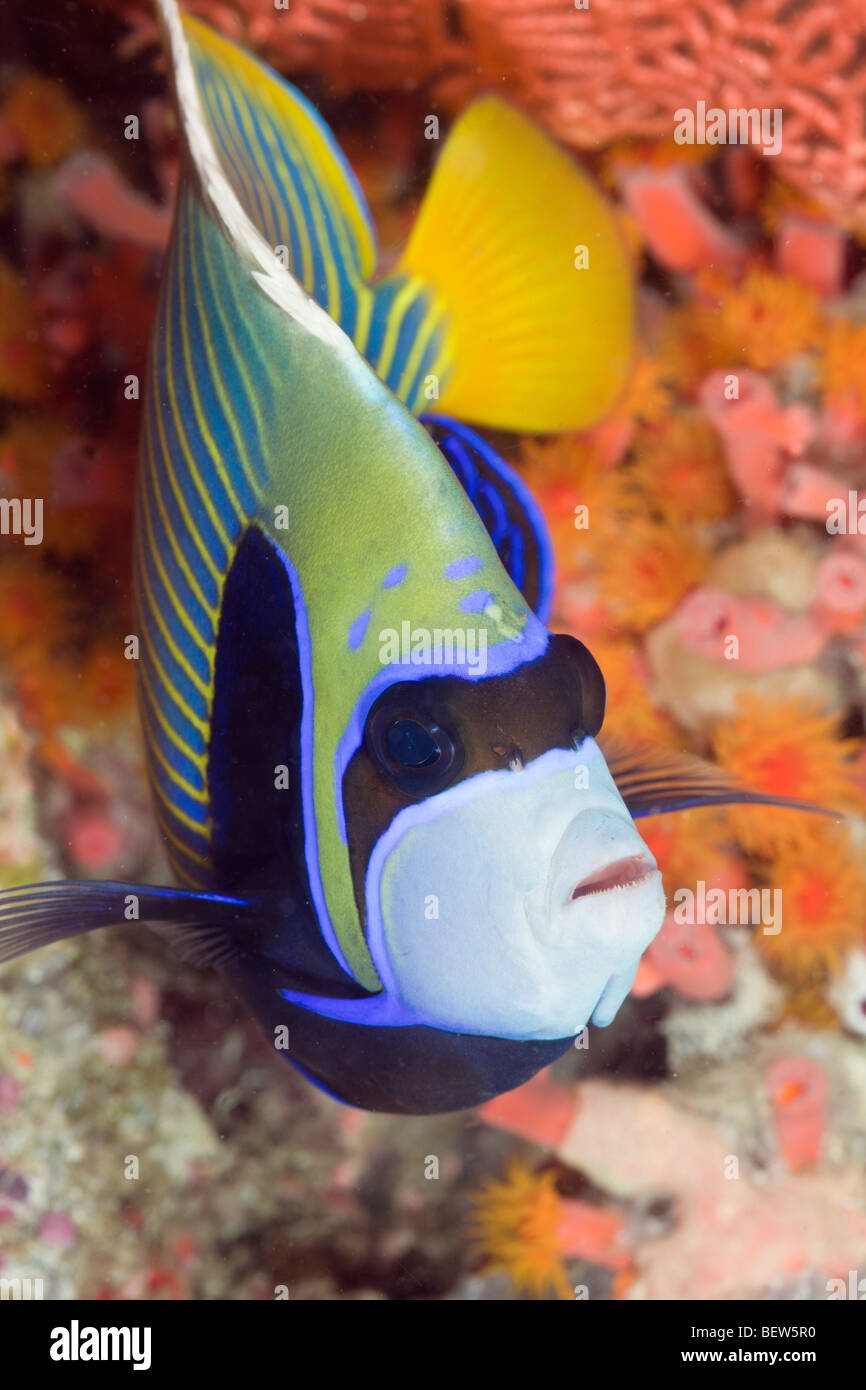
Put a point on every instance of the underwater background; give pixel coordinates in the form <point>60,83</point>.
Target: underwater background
<point>712,1141</point>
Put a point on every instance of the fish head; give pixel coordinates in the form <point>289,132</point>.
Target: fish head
<point>505,887</point>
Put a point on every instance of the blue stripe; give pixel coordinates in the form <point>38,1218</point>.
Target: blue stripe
<point>196,810</point>
<point>214,415</point>
<point>177,760</point>
<point>185,595</point>
<point>244,348</point>
<point>413,317</point>
<point>170,712</point>
<point>232,140</point>
<point>459,455</point>
<point>191,652</point>
<point>168,677</point>
<point>306,182</point>
<point>383,302</point>
<point>455,445</point>
<point>415,398</point>
<point>517,557</point>
<point>500,515</point>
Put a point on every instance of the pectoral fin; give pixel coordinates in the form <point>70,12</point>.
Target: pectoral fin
<point>269,929</point>
<point>653,780</point>
<point>42,913</point>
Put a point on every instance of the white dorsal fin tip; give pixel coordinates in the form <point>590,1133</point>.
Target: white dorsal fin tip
<point>284,290</point>
<point>268,271</point>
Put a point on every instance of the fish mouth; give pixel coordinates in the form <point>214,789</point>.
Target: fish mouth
<point>621,873</point>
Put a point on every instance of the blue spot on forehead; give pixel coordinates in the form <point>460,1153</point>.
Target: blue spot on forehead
<point>394,577</point>
<point>476,602</point>
<point>459,569</point>
<point>358,630</point>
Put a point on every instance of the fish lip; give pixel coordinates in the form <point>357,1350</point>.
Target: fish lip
<point>626,872</point>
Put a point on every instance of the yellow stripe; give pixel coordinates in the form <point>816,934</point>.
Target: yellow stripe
<point>197,759</point>
<point>444,364</point>
<point>204,431</point>
<point>366,300</point>
<point>432,322</point>
<point>187,879</point>
<point>197,793</point>
<point>178,655</point>
<point>184,849</point>
<point>237,170</point>
<point>192,466</point>
<point>263,90</point>
<point>277,235</point>
<point>402,303</point>
<point>179,815</point>
<point>167,682</point>
<point>272,160</point>
<point>310,185</point>
<point>153,551</point>
<point>225,402</point>
<point>190,526</point>
<point>252,162</point>
<point>252,394</point>
<point>153,473</point>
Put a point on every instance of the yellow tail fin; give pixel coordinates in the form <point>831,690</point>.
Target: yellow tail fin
<point>526,256</point>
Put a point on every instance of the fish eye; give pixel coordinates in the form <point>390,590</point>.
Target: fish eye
<point>410,745</point>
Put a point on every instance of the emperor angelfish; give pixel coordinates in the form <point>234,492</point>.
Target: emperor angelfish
<point>374,768</point>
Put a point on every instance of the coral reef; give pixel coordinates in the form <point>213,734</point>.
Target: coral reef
<point>621,68</point>
<point>749,1217</point>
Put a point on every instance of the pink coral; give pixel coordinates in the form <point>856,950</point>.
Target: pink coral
<point>93,188</point>
<point>623,67</point>
<point>765,635</point>
<point>760,437</point>
<point>734,1234</point>
<point>691,958</point>
<point>798,1091</point>
<point>808,489</point>
<point>679,230</point>
<point>840,597</point>
<point>812,251</point>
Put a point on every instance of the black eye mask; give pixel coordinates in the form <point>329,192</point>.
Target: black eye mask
<point>424,736</point>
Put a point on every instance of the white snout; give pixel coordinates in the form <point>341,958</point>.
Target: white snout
<point>517,903</point>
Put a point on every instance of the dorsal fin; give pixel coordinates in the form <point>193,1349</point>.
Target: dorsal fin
<point>288,173</point>
<point>222,201</point>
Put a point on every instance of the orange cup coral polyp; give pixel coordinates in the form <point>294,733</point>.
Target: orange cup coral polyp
<point>515,1225</point>
<point>822,888</point>
<point>524,1227</point>
<point>764,321</point>
<point>649,568</point>
<point>680,470</point>
<point>792,750</point>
